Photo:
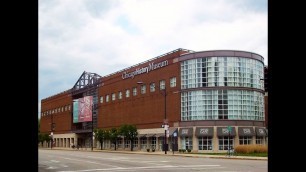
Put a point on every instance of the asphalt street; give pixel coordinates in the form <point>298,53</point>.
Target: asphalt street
<point>77,161</point>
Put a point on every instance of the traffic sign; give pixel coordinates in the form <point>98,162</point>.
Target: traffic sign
<point>229,128</point>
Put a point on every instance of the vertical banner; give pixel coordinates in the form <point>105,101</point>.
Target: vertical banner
<point>75,111</point>
<point>85,109</point>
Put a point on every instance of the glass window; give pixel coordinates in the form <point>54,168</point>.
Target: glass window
<point>120,95</point>
<point>222,104</point>
<point>69,107</point>
<point>162,84</point>
<point>134,91</point>
<point>245,140</point>
<point>127,93</point>
<point>153,143</point>
<point>152,87</point>
<point>205,143</point>
<point>259,140</point>
<point>143,141</point>
<point>143,89</point>
<point>107,98</point>
<point>127,143</point>
<point>222,71</point>
<point>113,96</point>
<point>226,141</point>
<point>101,99</point>
<point>173,82</point>
<point>135,143</point>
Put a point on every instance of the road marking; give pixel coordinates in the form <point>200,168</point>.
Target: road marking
<point>152,167</point>
<point>90,162</point>
<point>54,161</point>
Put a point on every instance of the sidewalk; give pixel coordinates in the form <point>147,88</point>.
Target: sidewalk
<point>162,153</point>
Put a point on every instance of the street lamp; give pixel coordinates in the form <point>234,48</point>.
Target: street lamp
<point>166,126</point>
<point>52,129</point>
<point>51,139</point>
<point>92,133</point>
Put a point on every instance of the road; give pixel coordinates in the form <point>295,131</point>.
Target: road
<point>83,161</point>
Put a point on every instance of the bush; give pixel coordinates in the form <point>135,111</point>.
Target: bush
<point>148,150</point>
<point>251,149</point>
<point>189,150</point>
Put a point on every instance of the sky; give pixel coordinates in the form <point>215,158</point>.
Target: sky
<point>105,36</point>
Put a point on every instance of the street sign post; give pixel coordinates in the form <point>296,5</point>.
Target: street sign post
<point>229,128</point>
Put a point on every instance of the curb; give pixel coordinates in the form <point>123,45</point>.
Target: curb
<point>171,154</point>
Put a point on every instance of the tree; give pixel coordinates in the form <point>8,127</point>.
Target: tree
<point>44,137</point>
<point>129,132</point>
<point>100,135</point>
<point>113,136</point>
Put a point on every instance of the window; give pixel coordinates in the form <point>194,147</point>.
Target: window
<point>135,143</point>
<point>127,93</point>
<point>68,107</point>
<point>101,99</point>
<point>162,84</point>
<point>127,143</point>
<point>153,142</point>
<point>259,140</point>
<point>113,96</point>
<point>245,140</point>
<point>63,109</point>
<point>205,143</point>
<point>143,141</point>
<point>134,91</point>
<point>107,98</point>
<point>120,144</point>
<point>143,89</point>
<point>186,143</point>
<point>152,87</point>
<point>173,82</point>
<point>226,141</point>
<point>120,95</point>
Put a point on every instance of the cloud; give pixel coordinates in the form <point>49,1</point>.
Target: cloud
<point>106,36</point>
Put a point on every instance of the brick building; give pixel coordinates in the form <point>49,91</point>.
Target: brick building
<point>211,100</point>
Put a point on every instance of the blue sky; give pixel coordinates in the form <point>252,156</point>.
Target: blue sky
<point>104,36</point>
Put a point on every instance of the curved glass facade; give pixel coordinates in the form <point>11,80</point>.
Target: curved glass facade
<point>221,71</point>
<point>222,103</point>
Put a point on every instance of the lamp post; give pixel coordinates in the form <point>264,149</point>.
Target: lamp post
<point>51,139</point>
<point>92,133</point>
<point>52,127</point>
<point>166,126</point>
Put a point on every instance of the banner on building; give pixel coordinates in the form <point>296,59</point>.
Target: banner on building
<point>82,109</point>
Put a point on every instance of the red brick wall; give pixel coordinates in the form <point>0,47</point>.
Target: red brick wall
<point>144,110</point>
<point>61,119</point>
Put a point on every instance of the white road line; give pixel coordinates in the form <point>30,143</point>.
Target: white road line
<point>91,162</point>
<point>54,161</point>
<point>135,168</point>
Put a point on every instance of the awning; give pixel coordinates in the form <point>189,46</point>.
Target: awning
<point>150,135</point>
<point>173,132</point>
<point>160,135</point>
<point>141,135</point>
<point>223,131</point>
<point>186,132</point>
<point>204,131</point>
<point>246,131</point>
<point>260,131</point>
